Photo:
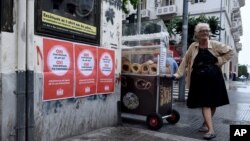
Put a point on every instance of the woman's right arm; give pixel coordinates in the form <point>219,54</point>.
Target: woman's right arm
<point>184,63</point>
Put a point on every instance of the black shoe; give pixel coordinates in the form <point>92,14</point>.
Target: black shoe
<point>209,136</point>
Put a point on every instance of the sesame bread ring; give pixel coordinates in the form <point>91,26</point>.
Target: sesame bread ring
<point>135,68</point>
<point>144,68</point>
<point>126,67</point>
<point>153,69</point>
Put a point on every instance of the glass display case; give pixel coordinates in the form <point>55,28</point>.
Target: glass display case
<point>144,60</point>
<point>145,54</point>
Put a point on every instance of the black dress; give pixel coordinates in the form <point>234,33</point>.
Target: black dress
<point>207,86</point>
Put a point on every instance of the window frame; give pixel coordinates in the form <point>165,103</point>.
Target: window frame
<point>198,1</point>
<point>143,4</point>
<point>6,15</point>
<point>168,2</point>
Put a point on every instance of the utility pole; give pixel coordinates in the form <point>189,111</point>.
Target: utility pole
<point>220,19</point>
<point>139,17</point>
<point>184,48</point>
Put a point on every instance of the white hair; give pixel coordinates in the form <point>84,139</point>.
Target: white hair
<point>198,28</point>
<point>201,25</point>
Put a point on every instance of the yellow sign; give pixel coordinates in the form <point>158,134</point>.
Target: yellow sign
<point>67,23</point>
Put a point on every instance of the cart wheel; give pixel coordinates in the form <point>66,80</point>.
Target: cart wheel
<point>154,121</point>
<point>174,118</point>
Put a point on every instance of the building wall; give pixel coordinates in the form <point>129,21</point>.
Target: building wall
<point>205,7</point>
<point>8,84</point>
<point>58,119</point>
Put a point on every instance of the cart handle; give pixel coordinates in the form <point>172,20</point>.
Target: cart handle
<point>168,76</point>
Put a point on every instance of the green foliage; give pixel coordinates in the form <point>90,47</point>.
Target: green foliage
<point>242,70</point>
<point>134,3</point>
<point>174,26</point>
<point>124,9</point>
<point>214,24</point>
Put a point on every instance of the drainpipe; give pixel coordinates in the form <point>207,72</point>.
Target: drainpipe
<point>30,122</point>
<point>184,48</point>
<point>139,17</point>
<point>21,71</point>
<point>220,19</point>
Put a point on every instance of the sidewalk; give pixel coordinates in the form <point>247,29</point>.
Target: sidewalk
<point>127,134</point>
<point>237,112</point>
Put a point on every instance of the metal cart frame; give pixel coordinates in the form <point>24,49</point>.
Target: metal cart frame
<point>154,118</point>
<point>147,95</point>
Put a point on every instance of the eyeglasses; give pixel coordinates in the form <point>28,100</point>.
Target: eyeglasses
<point>204,31</point>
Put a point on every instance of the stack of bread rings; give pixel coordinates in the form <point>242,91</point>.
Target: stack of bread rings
<point>148,67</point>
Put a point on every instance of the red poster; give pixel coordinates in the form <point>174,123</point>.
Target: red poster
<point>106,71</point>
<point>58,69</point>
<point>86,66</point>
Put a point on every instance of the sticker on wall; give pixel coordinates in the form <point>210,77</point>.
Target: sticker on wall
<point>86,66</point>
<point>106,70</point>
<point>58,70</point>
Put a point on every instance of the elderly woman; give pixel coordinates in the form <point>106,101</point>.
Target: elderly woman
<point>207,90</point>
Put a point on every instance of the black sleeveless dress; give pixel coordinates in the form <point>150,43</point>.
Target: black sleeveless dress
<point>207,86</point>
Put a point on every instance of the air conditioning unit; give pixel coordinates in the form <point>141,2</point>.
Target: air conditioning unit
<point>238,46</point>
<point>165,10</point>
<point>236,36</point>
<point>145,13</point>
<point>172,9</point>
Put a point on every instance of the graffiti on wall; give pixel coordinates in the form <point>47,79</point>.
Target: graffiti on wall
<point>110,15</point>
<point>116,3</point>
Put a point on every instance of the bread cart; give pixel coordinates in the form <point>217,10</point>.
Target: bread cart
<point>145,89</point>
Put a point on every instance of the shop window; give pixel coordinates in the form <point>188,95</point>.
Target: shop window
<point>77,20</point>
<point>6,15</point>
<point>144,4</point>
<point>1,15</point>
